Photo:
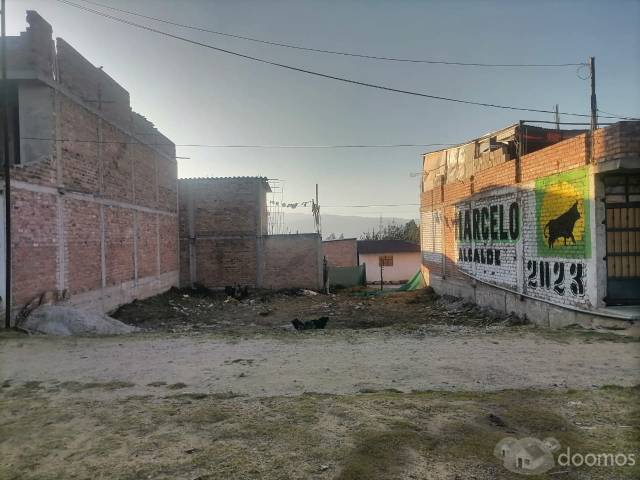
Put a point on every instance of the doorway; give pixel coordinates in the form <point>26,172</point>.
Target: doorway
<point>622,221</point>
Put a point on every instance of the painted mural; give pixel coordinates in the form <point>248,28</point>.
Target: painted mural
<point>487,231</point>
<point>556,269</point>
<point>534,240</point>
<point>562,215</point>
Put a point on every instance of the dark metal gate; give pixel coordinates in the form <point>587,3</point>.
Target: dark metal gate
<point>622,202</point>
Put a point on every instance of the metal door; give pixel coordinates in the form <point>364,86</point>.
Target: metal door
<point>622,202</point>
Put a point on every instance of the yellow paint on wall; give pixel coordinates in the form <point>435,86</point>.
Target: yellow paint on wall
<point>557,199</point>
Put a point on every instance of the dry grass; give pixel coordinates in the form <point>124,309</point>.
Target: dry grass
<point>378,435</point>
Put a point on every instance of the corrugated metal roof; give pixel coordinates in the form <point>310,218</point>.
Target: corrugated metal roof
<point>264,179</point>
<point>224,179</point>
<point>386,246</point>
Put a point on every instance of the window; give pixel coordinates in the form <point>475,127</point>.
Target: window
<point>14,127</point>
<point>385,260</point>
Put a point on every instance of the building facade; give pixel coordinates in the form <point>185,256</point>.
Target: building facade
<point>539,222</point>
<point>399,260</point>
<point>224,241</point>
<point>93,184</point>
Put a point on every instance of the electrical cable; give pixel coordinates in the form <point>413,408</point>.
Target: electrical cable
<point>618,116</point>
<point>319,74</point>
<point>333,52</point>
<point>202,145</point>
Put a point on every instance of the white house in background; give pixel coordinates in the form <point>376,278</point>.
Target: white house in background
<point>400,260</point>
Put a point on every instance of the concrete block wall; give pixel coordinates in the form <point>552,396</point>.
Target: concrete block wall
<point>527,195</point>
<point>341,253</point>
<point>97,217</point>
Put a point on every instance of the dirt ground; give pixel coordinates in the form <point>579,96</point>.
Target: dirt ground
<point>401,385</point>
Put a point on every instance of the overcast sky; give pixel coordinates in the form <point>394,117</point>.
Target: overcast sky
<point>196,95</point>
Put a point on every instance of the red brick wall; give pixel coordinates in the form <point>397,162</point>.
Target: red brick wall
<point>117,165</point>
<point>226,262</point>
<point>80,166</point>
<point>84,251</point>
<point>79,210</point>
<point>292,261</point>
<point>556,158</point>
<point>494,177</point>
<point>119,245</point>
<point>34,244</point>
<point>168,243</point>
<point>147,244</point>
<point>224,206</point>
<point>87,178</point>
<point>225,214</point>
<point>341,253</point>
<point>617,141</point>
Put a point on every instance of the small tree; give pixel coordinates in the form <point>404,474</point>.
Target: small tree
<point>409,232</point>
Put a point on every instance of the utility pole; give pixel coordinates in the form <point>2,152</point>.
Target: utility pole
<point>317,214</point>
<point>594,105</point>
<point>7,171</point>
<point>557,109</point>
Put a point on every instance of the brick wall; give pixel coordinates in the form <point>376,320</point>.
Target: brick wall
<point>84,245</point>
<point>219,226</point>
<point>34,243</point>
<point>222,262</point>
<point>223,242</point>
<point>292,261</point>
<point>341,253</point>
<point>512,234</point>
<point>95,217</point>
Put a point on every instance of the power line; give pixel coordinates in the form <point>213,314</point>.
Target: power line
<point>619,116</point>
<point>319,74</point>
<point>203,145</point>
<point>370,206</point>
<point>333,52</point>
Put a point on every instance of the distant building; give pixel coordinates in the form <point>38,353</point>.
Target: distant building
<point>224,241</point>
<point>400,260</point>
<point>540,222</point>
<point>93,184</point>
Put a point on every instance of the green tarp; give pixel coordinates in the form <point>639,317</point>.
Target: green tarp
<point>414,284</point>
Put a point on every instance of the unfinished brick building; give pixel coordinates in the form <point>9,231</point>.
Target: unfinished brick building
<point>540,222</point>
<point>94,193</point>
<point>224,241</point>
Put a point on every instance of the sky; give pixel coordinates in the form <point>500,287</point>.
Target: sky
<point>197,95</point>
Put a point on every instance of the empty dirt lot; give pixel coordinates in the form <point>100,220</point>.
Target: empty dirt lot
<point>403,385</point>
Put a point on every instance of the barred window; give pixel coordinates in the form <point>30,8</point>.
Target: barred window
<point>386,260</point>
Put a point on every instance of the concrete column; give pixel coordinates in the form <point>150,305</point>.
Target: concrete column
<point>191,228</point>
<point>135,247</point>
<point>103,247</point>
<point>62,246</point>
<point>158,260</point>
<point>598,263</point>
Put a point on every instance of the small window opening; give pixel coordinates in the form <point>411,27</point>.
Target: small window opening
<point>386,260</point>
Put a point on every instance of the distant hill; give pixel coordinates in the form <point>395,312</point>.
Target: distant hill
<point>348,225</point>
